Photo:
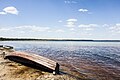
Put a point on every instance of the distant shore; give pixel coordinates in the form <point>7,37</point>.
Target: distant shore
<point>32,39</point>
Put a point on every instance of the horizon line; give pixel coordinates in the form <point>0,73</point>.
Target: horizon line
<point>60,39</point>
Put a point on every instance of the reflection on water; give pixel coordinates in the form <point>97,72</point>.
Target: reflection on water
<point>97,60</point>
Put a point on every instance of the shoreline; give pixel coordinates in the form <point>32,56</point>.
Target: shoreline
<point>70,69</point>
<point>32,39</point>
<point>10,70</point>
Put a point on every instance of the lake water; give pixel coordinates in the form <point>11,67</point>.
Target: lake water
<point>95,60</point>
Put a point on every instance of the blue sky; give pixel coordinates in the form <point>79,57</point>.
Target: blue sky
<point>81,19</point>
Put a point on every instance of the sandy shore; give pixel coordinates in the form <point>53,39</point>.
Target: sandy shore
<point>10,70</point>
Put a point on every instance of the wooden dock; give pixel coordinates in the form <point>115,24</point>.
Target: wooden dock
<point>34,61</point>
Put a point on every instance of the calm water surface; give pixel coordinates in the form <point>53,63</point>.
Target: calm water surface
<point>96,60</point>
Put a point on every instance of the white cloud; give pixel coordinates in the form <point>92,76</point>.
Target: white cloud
<point>72,20</point>
<point>24,29</point>
<point>32,28</point>
<point>60,30</point>
<point>115,29</point>
<point>70,24</point>
<point>49,31</point>
<point>88,29</point>
<point>60,21</point>
<point>67,2</point>
<point>70,2</point>
<point>72,29</point>
<point>23,32</point>
<point>4,29</point>
<point>87,25</point>
<point>105,25</point>
<point>83,25</point>
<point>85,34</point>
<point>11,10</point>
<point>83,10</point>
<point>3,13</point>
<point>118,24</point>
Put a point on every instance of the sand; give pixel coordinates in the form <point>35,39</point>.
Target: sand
<point>10,70</point>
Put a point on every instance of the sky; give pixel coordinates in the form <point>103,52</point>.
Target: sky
<point>66,19</point>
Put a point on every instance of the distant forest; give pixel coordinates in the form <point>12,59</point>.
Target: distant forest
<point>30,39</point>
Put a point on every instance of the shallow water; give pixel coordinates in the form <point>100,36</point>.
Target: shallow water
<point>96,60</point>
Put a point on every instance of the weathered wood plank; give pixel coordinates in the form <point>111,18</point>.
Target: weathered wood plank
<point>34,60</point>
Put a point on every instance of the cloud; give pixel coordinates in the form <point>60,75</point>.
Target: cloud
<point>86,34</point>
<point>4,29</point>
<point>71,22</point>
<point>69,25</point>
<point>70,2</point>
<point>105,25</point>
<point>118,24</point>
<point>10,10</point>
<point>115,29</point>
<point>3,13</point>
<point>32,28</point>
<point>60,30</point>
<point>87,25</point>
<point>60,21</point>
<point>72,29</point>
<point>24,29</point>
<point>88,29</point>
<point>83,10</point>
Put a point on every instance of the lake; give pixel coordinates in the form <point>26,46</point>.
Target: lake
<point>95,60</point>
